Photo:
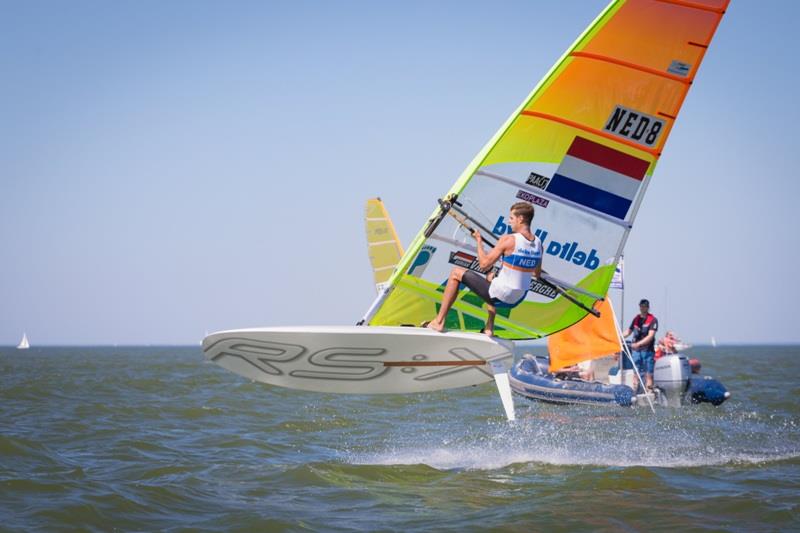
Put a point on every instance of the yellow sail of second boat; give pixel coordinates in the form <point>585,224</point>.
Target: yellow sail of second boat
<point>383,245</point>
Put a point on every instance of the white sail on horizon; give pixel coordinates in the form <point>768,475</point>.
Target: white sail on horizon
<point>24,344</point>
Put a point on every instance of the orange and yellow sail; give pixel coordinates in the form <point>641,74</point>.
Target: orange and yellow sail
<point>581,149</point>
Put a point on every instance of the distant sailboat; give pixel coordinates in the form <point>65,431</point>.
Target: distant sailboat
<point>24,344</point>
<point>713,342</point>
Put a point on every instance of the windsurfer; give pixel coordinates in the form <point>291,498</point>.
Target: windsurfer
<point>521,254</point>
<point>643,327</point>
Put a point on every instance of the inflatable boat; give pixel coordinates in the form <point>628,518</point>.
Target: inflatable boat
<point>674,384</point>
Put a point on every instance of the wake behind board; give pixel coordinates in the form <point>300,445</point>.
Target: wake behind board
<point>358,359</point>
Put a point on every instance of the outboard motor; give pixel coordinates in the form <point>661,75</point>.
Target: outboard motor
<point>671,375</point>
<point>707,389</point>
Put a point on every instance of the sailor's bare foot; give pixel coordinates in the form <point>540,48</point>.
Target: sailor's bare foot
<point>489,332</point>
<point>436,326</point>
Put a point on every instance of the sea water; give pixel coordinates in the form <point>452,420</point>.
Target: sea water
<point>157,439</point>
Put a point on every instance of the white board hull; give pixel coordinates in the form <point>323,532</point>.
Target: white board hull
<point>358,359</point>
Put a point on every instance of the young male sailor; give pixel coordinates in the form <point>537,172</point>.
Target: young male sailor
<point>521,253</point>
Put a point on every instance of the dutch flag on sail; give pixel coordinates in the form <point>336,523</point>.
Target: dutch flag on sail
<point>598,177</point>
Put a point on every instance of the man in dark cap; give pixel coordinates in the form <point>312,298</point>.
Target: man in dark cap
<point>644,327</point>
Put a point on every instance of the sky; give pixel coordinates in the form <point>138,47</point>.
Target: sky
<point>174,168</point>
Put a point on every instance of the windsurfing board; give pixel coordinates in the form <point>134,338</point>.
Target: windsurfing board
<point>359,359</point>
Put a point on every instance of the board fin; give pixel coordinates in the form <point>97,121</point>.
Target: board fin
<point>503,388</point>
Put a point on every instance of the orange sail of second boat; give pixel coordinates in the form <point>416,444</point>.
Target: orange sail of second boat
<point>591,338</point>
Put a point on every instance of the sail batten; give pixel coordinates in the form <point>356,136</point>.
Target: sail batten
<point>581,148</point>
<point>634,66</point>
<point>695,5</point>
<point>594,131</point>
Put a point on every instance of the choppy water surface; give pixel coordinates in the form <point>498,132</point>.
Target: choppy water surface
<point>156,439</point>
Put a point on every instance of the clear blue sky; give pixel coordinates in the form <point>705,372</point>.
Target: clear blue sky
<point>171,168</point>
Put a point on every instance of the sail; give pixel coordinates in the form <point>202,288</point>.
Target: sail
<point>581,149</point>
<point>384,247</point>
<point>24,344</point>
<point>591,338</point>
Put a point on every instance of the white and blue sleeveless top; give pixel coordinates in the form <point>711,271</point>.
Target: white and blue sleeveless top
<point>514,278</point>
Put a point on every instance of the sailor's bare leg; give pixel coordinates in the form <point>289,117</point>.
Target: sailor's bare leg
<point>450,293</point>
<point>492,312</point>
